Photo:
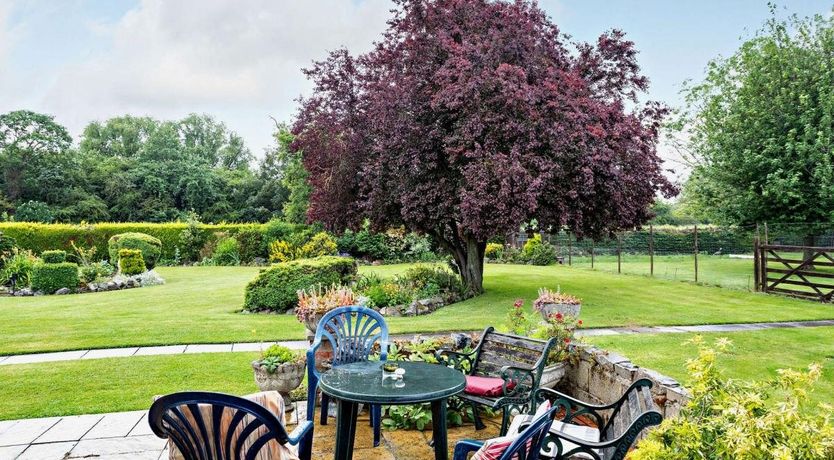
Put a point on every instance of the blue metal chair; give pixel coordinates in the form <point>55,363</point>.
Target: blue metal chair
<point>526,447</point>
<point>198,435</point>
<point>352,332</point>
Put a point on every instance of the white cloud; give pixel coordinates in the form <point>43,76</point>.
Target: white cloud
<point>237,60</point>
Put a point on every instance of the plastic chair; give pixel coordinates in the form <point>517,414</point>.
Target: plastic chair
<point>526,447</point>
<point>352,332</point>
<point>200,435</point>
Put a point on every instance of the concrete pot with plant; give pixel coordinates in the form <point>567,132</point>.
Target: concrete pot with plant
<point>279,369</point>
<point>551,302</point>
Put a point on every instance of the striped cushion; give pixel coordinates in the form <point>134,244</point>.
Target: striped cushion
<point>493,448</point>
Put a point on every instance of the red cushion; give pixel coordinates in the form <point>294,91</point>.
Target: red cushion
<point>486,386</point>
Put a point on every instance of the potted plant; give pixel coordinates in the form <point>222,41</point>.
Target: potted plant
<point>313,305</point>
<point>279,369</point>
<point>551,302</point>
<point>563,329</point>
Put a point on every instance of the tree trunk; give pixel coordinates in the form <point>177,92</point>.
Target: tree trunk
<point>469,257</point>
<point>471,263</point>
<point>809,240</point>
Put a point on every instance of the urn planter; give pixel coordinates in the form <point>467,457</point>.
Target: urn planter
<point>564,308</point>
<point>553,374</point>
<point>286,378</point>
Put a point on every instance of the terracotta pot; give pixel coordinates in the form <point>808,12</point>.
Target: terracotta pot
<point>286,378</point>
<point>553,374</point>
<point>565,309</point>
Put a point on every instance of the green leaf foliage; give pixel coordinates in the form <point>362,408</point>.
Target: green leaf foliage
<point>276,287</point>
<point>760,128</point>
<point>48,278</point>
<point>227,252</point>
<point>150,247</point>
<point>54,256</point>
<point>131,262</point>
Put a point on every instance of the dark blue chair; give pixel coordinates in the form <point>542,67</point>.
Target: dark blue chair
<point>352,332</point>
<point>200,436</point>
<point>526,447</point>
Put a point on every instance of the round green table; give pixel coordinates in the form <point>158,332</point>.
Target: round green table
<point>352,384</point>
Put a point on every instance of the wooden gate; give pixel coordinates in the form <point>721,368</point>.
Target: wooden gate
<point>799,271</point>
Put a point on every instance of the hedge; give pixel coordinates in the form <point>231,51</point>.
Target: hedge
<point>276,287</point>
<point>43,237</point>
<point>48,278</point>
<point>55,256</point>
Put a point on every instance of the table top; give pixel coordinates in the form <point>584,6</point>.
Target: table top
<point>362,382</point>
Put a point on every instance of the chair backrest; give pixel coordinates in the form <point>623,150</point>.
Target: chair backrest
<point>636,411</point>
<point>498,350</point>
<point>215,426</point>
<point>352,332</point>
<point>528,445</point>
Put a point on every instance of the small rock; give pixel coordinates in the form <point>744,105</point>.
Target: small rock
<point>37,293</point>
<point>376,262</point>
<point>111,286</point>
<point>461,340</point>
<point>130,283</point>
<point>62,291</point>
<point>23,292</point>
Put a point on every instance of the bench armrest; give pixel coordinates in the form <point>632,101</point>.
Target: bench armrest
<point>523,378</point>
<point>572,406</point>
<point>461,361</point>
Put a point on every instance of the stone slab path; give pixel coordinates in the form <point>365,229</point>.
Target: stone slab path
<point>302,345</point>
<point>127,435</point>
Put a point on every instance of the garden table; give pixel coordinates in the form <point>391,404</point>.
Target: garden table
<point>361,382</point>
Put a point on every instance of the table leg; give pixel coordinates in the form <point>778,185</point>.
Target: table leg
<point>345,429</point>
<point>438,429</point>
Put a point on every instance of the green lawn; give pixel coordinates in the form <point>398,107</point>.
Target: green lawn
<point>117,384</point>
<point>755,355</point>
<point>200,305</point>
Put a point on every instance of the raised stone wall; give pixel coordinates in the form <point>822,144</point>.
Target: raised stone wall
<point>601,377</point>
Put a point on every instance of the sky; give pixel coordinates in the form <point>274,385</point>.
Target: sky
<point>241,60</point>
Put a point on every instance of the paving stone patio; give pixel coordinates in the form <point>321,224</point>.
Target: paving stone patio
<point>302,345</point>
<point>126,435</point>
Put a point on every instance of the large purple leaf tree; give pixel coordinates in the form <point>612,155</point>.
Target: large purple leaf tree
<point>471,117</point>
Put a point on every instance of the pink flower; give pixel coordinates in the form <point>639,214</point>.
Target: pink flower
<point>580,322</point>
<point>518,303</point>
<point>559,316</point>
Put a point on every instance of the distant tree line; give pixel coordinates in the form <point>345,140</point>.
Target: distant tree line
<point>142,169</point>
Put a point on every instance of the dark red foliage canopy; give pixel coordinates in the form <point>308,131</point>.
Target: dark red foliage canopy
<point>471,117</point>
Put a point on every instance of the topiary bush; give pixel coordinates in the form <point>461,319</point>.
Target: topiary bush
<point>48,278</point>
<point>55,256</point>
<point>276,287</point>
<point>131,262</point>
<point>151,247</point>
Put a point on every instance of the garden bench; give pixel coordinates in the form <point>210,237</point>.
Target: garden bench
<point>518,361</point>
<point>626,418</point>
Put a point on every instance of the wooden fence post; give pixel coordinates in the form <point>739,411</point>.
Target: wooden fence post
<point>766,241</point>
<point>696,253</point>
<point>570,249</point>
<point>592,253</point>
<point>651,250</point>
<point>756,265</point>
<point>619,254</point>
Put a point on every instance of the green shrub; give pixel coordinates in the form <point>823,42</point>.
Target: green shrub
<point>364,244</point>
<point>389,294</point>
<point>42,237</point>
<point>538,252</point>
<point>192,240</point>
<point>276,355</point>
<point>321,244</point>
<point>252,245</point>
<point>421,276</point>
<point>281,251</point>
<point>7,246</point>
<point>227,252</point>
<point>731,419</point>
<point>91,272</point>
<point>34,211</point>
<point>277,229</point>
<point>48,278</point>
<point>493,251</point>
<point>19,265</point>
<point>131,262</point>
<point>276,287</point>
<point>150,247</point>
<point>55,256</point>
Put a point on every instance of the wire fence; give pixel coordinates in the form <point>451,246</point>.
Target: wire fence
<point>710,254</point>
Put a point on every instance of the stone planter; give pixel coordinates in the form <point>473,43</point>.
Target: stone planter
<point>553,374</point>
<point>565,309</point>
<point>312,322</point>
<point>286,378</point>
